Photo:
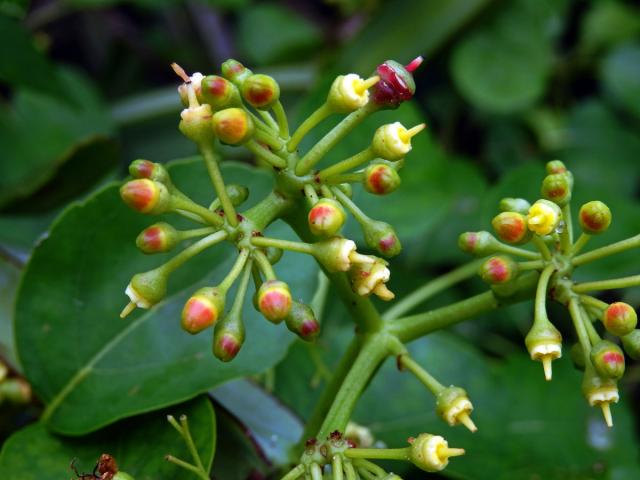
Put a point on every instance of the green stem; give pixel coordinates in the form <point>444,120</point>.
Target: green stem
<point>591,331</point>
<point>532,265</point>
<point>187,466</point>
<point>624,282</point>
<point>281,118</point>
<point>364,473</point>
<point>431,288</point>
<point>190,444</point>
<point>345,165</point>
<point>421,374</point>
<point>518,252</point>
<point>566,236</point>
<point>309,124</point>
<point>310,194</point>
<point>319,299</point>
<point>292,246</point>
<point>580,243</point>
<point>294,473</point>
<point>268,139</point>
<point>271,123</point>
<point>196,232</point>
<point>353,209</point>
<point>264,265</point>
<point>366,465</point>
<point>349,471</point>
<point>320,149</point>
<point>336,467</point>
<point>265,154</point>
<point>235,270</point>
<point>594,302</point>
<point>194,249</point>
<point>183,204</point>
<point>578,325</point>
<point>540,308</point>
<point>270,208</point>
<point>542,247</point>
<point>612,249</point>
<point>211,161</point>
<point>238,301</point>
<point>192,216</point>
<point>379,453</point>
<point>354,177</point>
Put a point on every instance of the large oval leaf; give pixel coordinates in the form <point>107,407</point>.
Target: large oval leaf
<point>34,453</point>
<point>92,368</point>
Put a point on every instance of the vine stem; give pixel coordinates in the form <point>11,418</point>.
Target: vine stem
<point>211,161</point>
<point>599,253</point>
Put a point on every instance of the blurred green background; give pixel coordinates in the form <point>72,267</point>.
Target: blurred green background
<point>85,88</point>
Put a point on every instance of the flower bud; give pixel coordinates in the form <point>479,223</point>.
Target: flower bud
<point>595,217</point>
<point>601,392</point>
<point>302,321</point>
<point>368,278</point>
<point>555,166</point>
<point>544,217</point>
<point>274,300</point>
<point>195,123</point>
<point>334,254</point>
<point>228,337</point>
<point>232,126</point>
<point>392,141</point>
<point>16,391</point>
<point>236,72</point>
<point>380,179</point>
<point>453,406</point>
<point>620,319</point>
<point>631,344</point>
<point>238,194</point>
<point>518,205</point>
<point>219,92</point>
<point>203,309</point>
<point>146,196</point>
<point>511,227</point>
<point>431,452</point>
<point>498,270</point>
<point>557,188</point>
<point>544,343</point>
<point>347,189</point>
<point>349,92</point>
<point>382,237</point>
<point>396,83</point>
<point>260,91</point>
<point>607,359</point>
<point>150,170</point>
<point>326,217</point>
<point>478,244</point>
<point>358,435</point>
<point>195,81</point>
<point>577,356</point>
<point>158,238</point>
<point>273,254</point>
<point>146,289</point>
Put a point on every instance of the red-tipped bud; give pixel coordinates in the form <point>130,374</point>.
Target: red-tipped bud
<point>595,217</point>
<point>620,319</point>
<point>236,72</point>
<point>498,270</point>
<point>150,170</point>
<point>631,344</point>
<point>326,217</point>
<point>396,84</point>
<point>158,238</point>
<point>16,391</point>
<point>260,91</point>
<point>302,321</point>
<point>511,227</point>
<point>195,123</point>
<point>202,309</point>
<point>232,126</point>
<point>219,92</point>
<point>557,188</point>
<point>382,237</point>
<point>608,359</point>
<point>228,337</point>
<point>555,166</point>
<point>274,300</point>
<point>146,196</point>
<point>380,179</point>
<point>518,205</point>
<point>478,244</point>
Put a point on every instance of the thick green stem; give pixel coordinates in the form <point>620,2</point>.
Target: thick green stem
<point>273,206</point>
<point>624,282</point>
<point>599,253</point>
<point>211,161</point>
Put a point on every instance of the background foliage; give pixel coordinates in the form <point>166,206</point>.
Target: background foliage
<point>85,88</point>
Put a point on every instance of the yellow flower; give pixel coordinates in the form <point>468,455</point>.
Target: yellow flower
<point>544,216</point>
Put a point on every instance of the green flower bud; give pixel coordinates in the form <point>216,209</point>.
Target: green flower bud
<point>16,391</point>
<point>380,179</point>
<point>392,141</point>
<point>219,92</point>
<point>557,188</point>
<point>358,435</point>
<point>478,244</point>
<point>607,359</point>
<point>236,72</point>
<point>577,356</point>
<point>152,171</point>
<point>511,227</point>
<point>518,205</point>
<point>238,194</point>
<point>146,196</point>
<point>233,126</point>
<point>544,217</point>
<point>158,238</point>
<point>631,344</point>
<point>499,269</point>
<point>195,123</point>
<point>595,217</point>
<point>335,254</point>
<point>620,319</point>
<point>260,91</point>
<point>600,392</point>
<point>302,321</point>
<point>453,406</point>
<point>544,343</point>
<point>146,289</point>
<point>203,309</point>
<point>382,237</point>
<point>228,337</point>
<point>274,300</point>
<point>431,453</point>
<point>555,166</point>
<point>326,217</point>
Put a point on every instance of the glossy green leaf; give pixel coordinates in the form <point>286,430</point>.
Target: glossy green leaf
<point>138,444</point>
<point>620,74</point>
<point>9,275</point>
<point>503,65</point>
<point>80,357</point>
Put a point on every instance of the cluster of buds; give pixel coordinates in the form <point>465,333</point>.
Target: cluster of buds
<point>13,390</point>
<point>547,225</point>
<point>242,108</point>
